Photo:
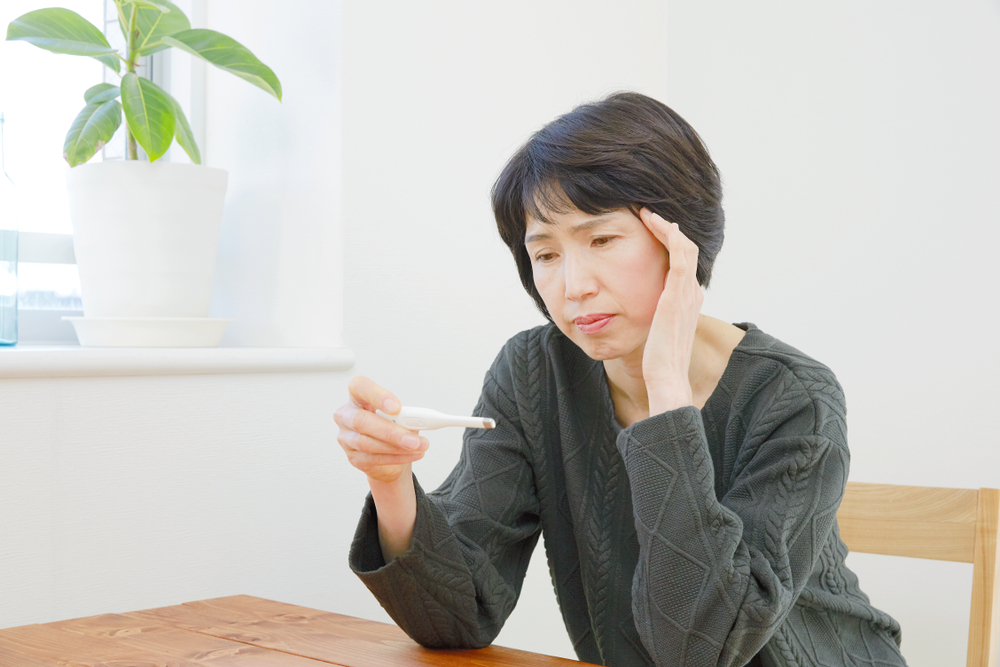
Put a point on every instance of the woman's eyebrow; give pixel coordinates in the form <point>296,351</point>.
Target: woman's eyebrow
<point>591,224</point>
<point>576,229</point>
<point>537,236</point>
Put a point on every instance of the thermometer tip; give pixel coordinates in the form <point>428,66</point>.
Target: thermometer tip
<point>488,423</point>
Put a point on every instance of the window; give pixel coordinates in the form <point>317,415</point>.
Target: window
<point>40,95</point>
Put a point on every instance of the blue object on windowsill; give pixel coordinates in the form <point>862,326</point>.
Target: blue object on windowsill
<point>8,286</point>
<point>8,252</point>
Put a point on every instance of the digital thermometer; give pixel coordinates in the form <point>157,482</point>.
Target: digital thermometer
<point>422,419</point>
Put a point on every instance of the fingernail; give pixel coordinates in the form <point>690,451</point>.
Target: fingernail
<point>390,405</point>
<point>411,441</point>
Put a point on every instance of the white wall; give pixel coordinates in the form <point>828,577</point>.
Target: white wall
<point>130,493</point>
<point>281,267</point>
<point>860,153</point>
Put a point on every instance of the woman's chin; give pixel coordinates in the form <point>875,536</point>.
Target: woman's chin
<point>597,349</point>
<point>600,346</point>
<point>606,348</point>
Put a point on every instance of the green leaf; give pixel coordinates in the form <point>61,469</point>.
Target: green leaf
<point>160,7</point>
<point>62,31</point>
<point>183,133</point>
<point>91,129</point>
<point>228,54</point>
<point>154,22</point>
<point>149,114</point>
<point>102,92</point>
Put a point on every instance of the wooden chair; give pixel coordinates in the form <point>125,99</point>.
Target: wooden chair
<point>940,524</point>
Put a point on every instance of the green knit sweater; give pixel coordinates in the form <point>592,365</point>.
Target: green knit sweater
<point>692,538</point>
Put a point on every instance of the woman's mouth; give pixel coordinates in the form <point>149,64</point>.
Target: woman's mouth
<point>591,324</point>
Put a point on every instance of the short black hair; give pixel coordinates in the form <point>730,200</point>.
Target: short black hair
<point>625,151</point>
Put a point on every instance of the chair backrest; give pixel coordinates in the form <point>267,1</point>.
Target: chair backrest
<point>940,524</point>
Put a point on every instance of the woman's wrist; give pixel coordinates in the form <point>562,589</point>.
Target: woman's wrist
<point>667,396</point>
<point>396,505</point>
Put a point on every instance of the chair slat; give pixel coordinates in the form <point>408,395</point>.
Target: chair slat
<point>910,503</point>
<point>919,522</point>
<point>936,541</point>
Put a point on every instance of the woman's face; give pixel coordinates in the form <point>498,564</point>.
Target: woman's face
<point>600,277</point>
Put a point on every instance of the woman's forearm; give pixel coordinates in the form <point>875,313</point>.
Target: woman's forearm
<point>396,503</point>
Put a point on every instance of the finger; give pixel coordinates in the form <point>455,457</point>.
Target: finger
<point>367,463</point>
<point>679,259</point>
<point>352,440</point>
<point>682,250</point>
<point>670,235</point>
<point>680,241</point>
<point>354,418</point>
<point>686,245</point>
<point>367,394</point>
<point>655,223</point>
<point>668,232</point>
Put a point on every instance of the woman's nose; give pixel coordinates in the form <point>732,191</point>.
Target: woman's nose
<point>579,278</point>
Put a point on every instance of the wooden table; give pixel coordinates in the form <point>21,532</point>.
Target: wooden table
<point>237,631</point>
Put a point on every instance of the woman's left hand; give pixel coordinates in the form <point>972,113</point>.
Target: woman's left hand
<point>666,360</point>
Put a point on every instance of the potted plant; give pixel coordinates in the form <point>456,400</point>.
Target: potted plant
<point>145,233</point>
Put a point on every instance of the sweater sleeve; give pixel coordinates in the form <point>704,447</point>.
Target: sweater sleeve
<point>472,541</point>
<point>716,578</point>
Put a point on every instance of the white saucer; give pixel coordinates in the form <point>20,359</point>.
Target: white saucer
<point>148,331</point>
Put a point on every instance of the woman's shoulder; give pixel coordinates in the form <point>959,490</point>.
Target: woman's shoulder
<point>766,372</point>
<point>758,349</point>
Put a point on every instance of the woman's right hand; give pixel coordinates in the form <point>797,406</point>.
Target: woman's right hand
<point>377,447</point>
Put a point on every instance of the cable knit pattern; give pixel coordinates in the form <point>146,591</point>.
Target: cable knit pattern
<point>692,538</point>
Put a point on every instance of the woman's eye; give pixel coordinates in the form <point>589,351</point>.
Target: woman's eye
<point>544,256</point>
<point>601,241</point>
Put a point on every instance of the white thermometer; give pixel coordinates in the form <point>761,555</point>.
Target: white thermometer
<point>421,419</point>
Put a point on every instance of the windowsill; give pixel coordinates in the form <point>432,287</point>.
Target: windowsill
<point>44,361</point>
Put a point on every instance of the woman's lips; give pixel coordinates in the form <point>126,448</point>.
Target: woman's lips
<point>591,324</point>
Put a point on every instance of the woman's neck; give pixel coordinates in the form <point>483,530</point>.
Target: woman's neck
<point>628,388</point>
<point>714,341</point>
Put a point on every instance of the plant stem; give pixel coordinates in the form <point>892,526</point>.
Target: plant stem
<point>133,151</point>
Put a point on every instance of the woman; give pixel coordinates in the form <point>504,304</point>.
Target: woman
<point>685,472</point>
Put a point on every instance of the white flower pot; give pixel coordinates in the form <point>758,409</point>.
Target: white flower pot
<point>146,236</point>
